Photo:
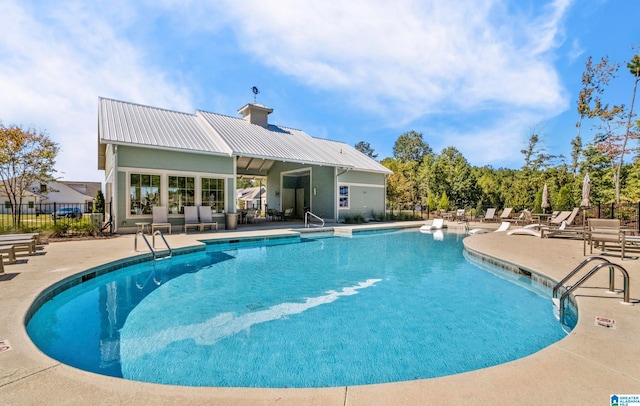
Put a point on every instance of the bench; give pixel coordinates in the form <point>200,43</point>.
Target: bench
<point>20,243</point>
<point>10,251</point>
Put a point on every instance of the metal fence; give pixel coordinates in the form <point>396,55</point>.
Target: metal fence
<point>628,213</point>
<point>51,216</point>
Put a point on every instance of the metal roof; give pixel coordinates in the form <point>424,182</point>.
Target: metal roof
<point>134,124</point>
<point>128,123</point>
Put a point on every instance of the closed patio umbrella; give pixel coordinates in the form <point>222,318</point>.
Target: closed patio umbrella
<point>584,203</point>
<point>545,198</point>
<point>586,190</point>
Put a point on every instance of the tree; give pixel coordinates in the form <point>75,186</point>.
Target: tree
<point>366,149</point>
<point>634,69</point>
<point>98,203</point>
<point>400,185</point>
<point>453,176</point>
<point>27,157</point>
<point>410,147</point>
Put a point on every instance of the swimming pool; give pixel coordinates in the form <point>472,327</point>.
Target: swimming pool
<point>300,312</point>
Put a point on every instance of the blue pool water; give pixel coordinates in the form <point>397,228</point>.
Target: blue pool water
<point>310,312</point>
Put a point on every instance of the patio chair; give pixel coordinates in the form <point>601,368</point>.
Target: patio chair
<point>437,224</point>
<point>191,218</point>
<point>490,215</point>
<point>288,213</point>
<point>460,215</point>
<point>160,219</point>
<point>603,231</point>
<point>206,219</point>
<point>506,213</point>
<point>251,216</point>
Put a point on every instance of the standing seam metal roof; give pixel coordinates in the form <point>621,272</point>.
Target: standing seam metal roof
<point>129,123</point>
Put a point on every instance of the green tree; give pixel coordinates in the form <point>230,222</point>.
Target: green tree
<point>410,147</point>
<point>634,69</point>
<point>444,202</point>
<point>400,185</point>
<point>366,149</point>
<point>454,177</point>
<point>27,157</point>
<point>98,202</point>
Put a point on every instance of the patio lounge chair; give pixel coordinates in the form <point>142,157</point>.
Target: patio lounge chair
<point>542,231</point>
<point>436,225</point>
<point>160,219</point>
<point>504,226</point>
<point>191,218</point>
<point>490,215</point>
<point>206,219</point>
<point>524,217</point>
<point>506,213</point>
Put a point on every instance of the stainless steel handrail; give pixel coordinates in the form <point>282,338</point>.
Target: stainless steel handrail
<point>144,238</point>
<point>153,244</point>
<point>307,223</point>
<point>625,289</point>
<point>158,232</point>
<point>575,270</point>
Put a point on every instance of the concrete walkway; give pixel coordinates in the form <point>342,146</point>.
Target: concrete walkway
<point>585,368</point>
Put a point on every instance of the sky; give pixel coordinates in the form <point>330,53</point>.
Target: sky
<point>478,75</point>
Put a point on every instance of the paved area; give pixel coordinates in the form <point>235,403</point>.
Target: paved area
<point>585,368</point>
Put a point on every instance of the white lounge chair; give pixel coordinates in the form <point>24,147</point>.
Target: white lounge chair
<point>206,219</point>
<point>160,219</point>
<point>436,225</point>
<point>504,226</point>
<point>191,218</point>
<point>543,231</point>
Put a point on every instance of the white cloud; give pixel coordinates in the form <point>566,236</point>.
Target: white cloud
<point>407,60</point>
<point>410,57</point>
<point>57,60</point>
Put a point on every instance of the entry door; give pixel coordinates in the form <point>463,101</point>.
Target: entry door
<point>288,199</point>
<point>300,203</point>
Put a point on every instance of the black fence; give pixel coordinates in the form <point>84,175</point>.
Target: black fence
<point>628,213</point>
<point>52,216</point>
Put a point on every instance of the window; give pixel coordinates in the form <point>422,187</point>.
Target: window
<point>31,205</point>
<point>181,193</point>
<point>344,197</point>
<point>43,188</point>
<point>213,193</point>
<point>7,204</point>
<point>144,193</point>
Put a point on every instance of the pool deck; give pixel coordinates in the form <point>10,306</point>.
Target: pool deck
<point>585,368</point>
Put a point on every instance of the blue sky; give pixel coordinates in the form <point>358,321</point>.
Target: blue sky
<point>479,75</point>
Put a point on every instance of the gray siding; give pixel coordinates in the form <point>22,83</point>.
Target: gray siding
<point>173,160</point>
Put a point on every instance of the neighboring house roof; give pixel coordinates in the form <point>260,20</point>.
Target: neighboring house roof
<point>251,193</point>
<point>61,193</point>
<point>57,191</point>
<point>86,188</point>
<point>133,124</point>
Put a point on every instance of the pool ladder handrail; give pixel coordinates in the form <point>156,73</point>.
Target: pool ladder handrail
<point>307,223</point>
<point>605,263</point>
<point>152,246</point>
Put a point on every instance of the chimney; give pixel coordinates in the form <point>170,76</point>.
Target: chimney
<point>256,113</point>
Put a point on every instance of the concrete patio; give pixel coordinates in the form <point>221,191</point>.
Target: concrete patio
<point>586,367</point>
